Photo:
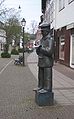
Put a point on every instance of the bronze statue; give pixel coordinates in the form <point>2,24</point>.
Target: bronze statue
<point>45,54</point>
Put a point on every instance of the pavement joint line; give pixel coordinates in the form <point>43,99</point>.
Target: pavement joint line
<point>64,88</point>
<point>5,67</point>
<point>29,62</point>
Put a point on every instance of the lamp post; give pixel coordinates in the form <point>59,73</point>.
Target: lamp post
<point>23,23</point>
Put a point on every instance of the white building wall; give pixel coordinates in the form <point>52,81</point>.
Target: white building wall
<point>65,16</point>
<point>2,36</point>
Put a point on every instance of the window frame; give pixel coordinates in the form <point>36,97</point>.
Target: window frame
<point>52,12</point>
<point>70,1</point>
<point>61,4</point>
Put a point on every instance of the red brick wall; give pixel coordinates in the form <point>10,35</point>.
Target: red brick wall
<point>66,33</point>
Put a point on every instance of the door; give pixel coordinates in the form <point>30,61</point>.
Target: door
<point>72,51</point>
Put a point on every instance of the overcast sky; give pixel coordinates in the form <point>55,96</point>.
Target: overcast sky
<point>30,9</point>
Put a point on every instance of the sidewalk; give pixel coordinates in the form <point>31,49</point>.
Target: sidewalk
<point>63,86</point>
<point>17,98</point>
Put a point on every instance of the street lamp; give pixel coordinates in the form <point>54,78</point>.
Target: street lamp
<point>23,23</point>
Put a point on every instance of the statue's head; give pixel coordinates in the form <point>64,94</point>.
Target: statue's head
<point>45,28</point>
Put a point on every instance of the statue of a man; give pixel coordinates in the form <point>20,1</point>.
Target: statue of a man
<point>45,54</point>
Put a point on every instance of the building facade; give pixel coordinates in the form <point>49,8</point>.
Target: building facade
<point>60,15</point>
<point>2,36</point>
<point>64,30</point>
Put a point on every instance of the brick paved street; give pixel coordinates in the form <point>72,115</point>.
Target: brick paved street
<point>17,98</point>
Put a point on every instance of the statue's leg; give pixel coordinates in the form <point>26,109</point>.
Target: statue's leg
<point>40,77</point>
<point>48,79</point>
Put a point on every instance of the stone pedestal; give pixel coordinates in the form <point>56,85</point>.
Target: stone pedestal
<point>44,98</point>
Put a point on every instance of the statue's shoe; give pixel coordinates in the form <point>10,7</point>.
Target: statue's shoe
<point>42,91</point>
<point>35,89</point>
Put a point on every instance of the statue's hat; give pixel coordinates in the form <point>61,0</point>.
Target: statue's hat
<point>44,24</point>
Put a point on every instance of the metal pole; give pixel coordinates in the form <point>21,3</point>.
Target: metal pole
<point>23,49</point>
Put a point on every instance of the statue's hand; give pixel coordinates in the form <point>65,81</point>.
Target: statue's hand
<point>38,50</point>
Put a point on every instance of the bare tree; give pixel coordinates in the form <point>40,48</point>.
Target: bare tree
<point>33,26</point>
<point>3,9</point>
<point>6,13</point>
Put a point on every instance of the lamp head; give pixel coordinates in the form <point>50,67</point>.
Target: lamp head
<point>23,22</point>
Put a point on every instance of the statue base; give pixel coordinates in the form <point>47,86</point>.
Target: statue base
<point>44,98</point>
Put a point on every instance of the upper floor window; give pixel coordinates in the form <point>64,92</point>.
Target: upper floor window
<point>51,11</point>
<point>69,1</point>
<point>61,4</point>
<point>47,4</point>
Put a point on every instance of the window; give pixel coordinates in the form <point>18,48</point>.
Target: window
<point>47,4</point>
<point>61,47</point>
<point>51,11</point>
<point>69,1</point>
<point>61,4</point>
<point>47,13</point>
<point>72,50</point>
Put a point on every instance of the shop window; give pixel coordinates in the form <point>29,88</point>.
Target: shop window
<point>61,48</point>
